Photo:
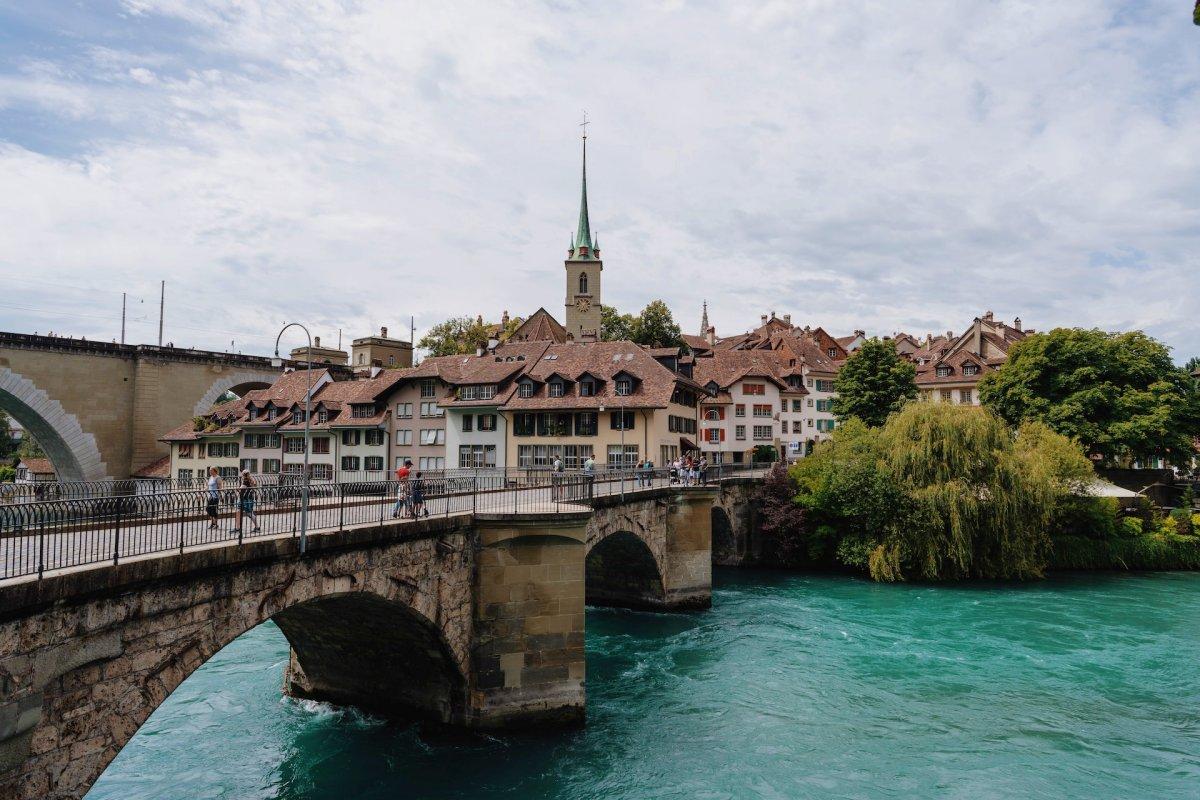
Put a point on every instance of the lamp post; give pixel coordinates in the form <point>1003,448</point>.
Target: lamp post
<point>278,362</point>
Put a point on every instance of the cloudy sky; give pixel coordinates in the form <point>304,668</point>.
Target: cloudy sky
<point>878,165</point>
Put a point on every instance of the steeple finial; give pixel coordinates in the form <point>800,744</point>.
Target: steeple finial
<point>583,232</point>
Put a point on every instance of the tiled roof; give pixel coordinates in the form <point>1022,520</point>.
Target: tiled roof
<point>540,327</point>
<point>38,466</point>
<point>155,469</point>
<point>727,367</point>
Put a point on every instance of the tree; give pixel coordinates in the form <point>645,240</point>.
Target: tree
<point>873,383</point>
<point>1117,394</point>
<point>8,445</point>
<point>655,327</point>
<point>29,447</point>
<point>781,520</point>
<point>615,326</point>
<point>455,336</point>
<point>1191,365</point>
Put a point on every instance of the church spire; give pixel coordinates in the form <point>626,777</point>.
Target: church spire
<point>583,231</point>
<point>704,320</point>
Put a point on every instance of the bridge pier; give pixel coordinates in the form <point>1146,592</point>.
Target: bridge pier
<point>653,552</point>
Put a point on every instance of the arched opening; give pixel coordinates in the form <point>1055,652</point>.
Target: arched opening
<point>724,542</point>
<point>71,451</point>
<point>583,283</point>
<point>235,384</point>
<point>621,571</point>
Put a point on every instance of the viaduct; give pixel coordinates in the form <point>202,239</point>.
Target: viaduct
<point>98,408</point>
<point>473,620</point>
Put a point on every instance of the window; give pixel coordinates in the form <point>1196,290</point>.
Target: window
<point>713,435</point>
<point>947,395</point>
<point>824,405</point>
<point>825,425</point>
<point>583,287</point>
<point>624,386</point>
<point>476,456</point>
<point>824,386</point>
<point>619,458</point>
<point>832,352</point>
<point>468,423</point>
<point>272,413</point>
<point>362,410</point>
<point>294,444</point>
<point>796,426</point>
<point>525,389</point>
<point>349,463</point>
<point>431,436</point>
<point>185,451</point>
<point>427,389</point>
<point>487,422</point>
<point>362,358</point>
<point>293,469</point>
<point>587,388</point>
<point>251,413</point>
<point>373,463</point>
<point>430,410</point>
<point>762,410</point>
<point>762,432</point>
<point>322,416</point>
<point>714,414</point>
<point>964,396</point>
<point>222,449</point>
<point>586,423</point>
<point>943,372</point>
<point>403,410</point>
<point>184,475</point>
<point>739,432</point>
<point>404,436</point>
<point>575,454</point>
<point>554,424</point>
<point>523,424</point>
<point>431,462</point>
<point>556,389</point>
<point>810,423</point>
<point>249,463</point>
<point>298,416</point>
<point>374,438</point>
<point>228,473</point>
<point>754,388</point>
<point>320,444</point>
<point>351,438</point>
<point>481,392</point>
<point>970,369</point>
<point>321,472</point>
<point>810,382</point>
<point>391,361</point>
<point>797,405</point>
<point>739,410</point>
<point>810,402</point>
<point>621,420</point>
<point>270,466</point>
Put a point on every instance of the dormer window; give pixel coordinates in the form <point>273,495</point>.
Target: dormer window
<point>556,389</point>
<point>525,389</point>
<point>970,369</point>
<point>297,417</point>
<point>252,412</point>
<point>272,413</point>
<point>363,411</point>
<point>322,416</point>
<point>833,352</point>
<point>587,388</point>
<point>624,386</point>
<point>943,372</point>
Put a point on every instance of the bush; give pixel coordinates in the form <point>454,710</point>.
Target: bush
<point>7,474</point>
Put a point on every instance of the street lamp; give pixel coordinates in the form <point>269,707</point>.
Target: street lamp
<point>278,362</point>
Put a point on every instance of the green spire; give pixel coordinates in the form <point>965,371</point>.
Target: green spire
<point>583,232</point>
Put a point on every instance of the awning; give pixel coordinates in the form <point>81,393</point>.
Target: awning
<point>686,444</point>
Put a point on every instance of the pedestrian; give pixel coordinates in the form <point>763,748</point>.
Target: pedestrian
<point>214,497</point>
<point>556,478</point>
<point>416,493</point>
<point>589,465</point>
<point>703,470</point>
<point>673,471</point>
<point>402,489</point>
<point>245,507</point>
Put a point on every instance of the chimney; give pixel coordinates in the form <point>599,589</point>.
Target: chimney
<point>787,318</point>
<point>316,341</point>
<point>862,334</point>
<point>772,315</point>
<point>949,334</point>
<point>711,335</point>
<point>928,339</point>
<point>383,332</point>
<point>1017,323</point>
<point>987,315</point>
<point>764,319</point>
<point>504,318</point>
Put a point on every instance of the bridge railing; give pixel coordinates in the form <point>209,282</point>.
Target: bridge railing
<point>37,537</point>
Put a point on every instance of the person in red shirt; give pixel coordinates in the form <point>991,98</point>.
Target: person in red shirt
<point>403,503</point>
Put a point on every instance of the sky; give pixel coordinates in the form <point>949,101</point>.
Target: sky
<point>859,165</point>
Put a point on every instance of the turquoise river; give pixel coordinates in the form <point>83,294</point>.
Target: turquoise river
<point>792,686</point>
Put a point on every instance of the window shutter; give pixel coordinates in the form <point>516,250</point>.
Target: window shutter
<point>722,434</point>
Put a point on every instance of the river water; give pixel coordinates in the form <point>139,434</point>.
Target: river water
<point>792,686</point>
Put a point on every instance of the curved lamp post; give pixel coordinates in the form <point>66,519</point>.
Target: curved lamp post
<point>276,361</point>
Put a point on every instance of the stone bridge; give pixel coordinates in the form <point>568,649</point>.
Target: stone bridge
<point>98,408</point>
<point>469,620</point>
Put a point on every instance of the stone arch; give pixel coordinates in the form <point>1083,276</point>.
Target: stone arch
<point>724,541</point>
<point>243,380</point>
<point>621,570</point>
<point>72,451</point>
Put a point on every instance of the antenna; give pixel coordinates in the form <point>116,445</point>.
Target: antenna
<point>162,299</point>
<point>122,318</point>
<point>585,123</point>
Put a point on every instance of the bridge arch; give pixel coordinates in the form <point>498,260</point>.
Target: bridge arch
<point>621,570</point>
<point>237,382</point>
<point>724,541</point>
<point>73,452</point>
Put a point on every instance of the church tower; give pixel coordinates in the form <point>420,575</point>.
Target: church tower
<point>583,267</point>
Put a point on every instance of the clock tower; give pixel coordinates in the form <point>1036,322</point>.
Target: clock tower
<point>583,267</point>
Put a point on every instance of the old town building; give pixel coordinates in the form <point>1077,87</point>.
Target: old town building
<point>950,367</point>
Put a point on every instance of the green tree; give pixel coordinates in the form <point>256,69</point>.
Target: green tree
<point>8,446</point>
<point>1117,394</point>
<point>656,327</point>
<point>455,336</point>
<point>1191,365</point>
<point>873,383</point>
<point>29,448</point>
<point>615,326</point>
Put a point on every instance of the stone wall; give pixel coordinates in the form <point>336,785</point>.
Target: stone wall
<point>734,524</point>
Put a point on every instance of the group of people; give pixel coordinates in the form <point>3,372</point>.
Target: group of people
<point>689,470</point>
<point>245,501</point>
<point>410,493</point>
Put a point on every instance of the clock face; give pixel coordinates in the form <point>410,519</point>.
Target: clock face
<point>582,303</point>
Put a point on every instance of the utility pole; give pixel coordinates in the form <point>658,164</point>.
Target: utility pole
<point>122,318</point>
<point>162,299</point>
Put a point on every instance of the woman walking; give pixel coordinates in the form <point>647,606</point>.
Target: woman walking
<point>245,506</point>
<point>214,497</point>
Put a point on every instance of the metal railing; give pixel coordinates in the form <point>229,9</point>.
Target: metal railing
<point>47,535</point>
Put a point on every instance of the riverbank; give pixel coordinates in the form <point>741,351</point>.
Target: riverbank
<point>1160,551</point>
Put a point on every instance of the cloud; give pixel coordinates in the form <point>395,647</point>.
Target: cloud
<point>853,164</point>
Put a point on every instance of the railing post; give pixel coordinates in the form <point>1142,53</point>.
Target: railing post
<point>117,535</point>
<point>383,500</point>
<point>182,530</point>
<point>41,547</point>
<point>341,506</point>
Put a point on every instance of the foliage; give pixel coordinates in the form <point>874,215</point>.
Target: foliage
<point>455,336</point>
<point>7,474</point>
<point>1117,394</point>
<point>615,326</point>
<point>940,492</point>
<point>29,447</point>
<point>1161,551</point>
<point>783,522</point>
<point>656,327</point>
<point>8,445</point>
<point>1192,364</point>
<point>764,453</point>
<point>873,383</point>
<point>1196,13</point>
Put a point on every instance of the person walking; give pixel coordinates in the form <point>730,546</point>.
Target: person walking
<point>214,497</point>
<point>402,494</point>
<point>556,477</point>
<point>703,470</point>
<point>245,506</point>
<point>416,493</point>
